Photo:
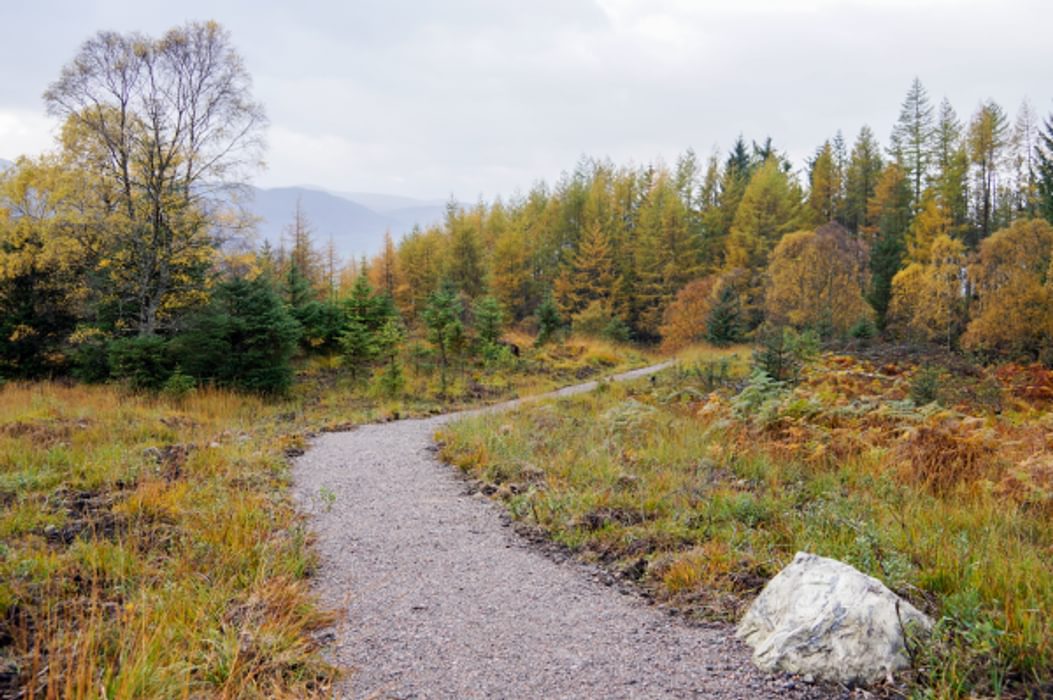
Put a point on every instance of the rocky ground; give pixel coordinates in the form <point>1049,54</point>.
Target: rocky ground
<point>444,600</point>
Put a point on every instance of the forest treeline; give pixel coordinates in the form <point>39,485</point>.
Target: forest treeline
<point>120,253</point>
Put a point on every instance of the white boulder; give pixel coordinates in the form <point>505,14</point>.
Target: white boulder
<point>823,618</point>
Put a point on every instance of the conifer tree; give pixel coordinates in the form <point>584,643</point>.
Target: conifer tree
<point>912,139</point>
<point>548,321</point>
<point>770,207</point>
<point>987,141</point>
<point>387,343</point>
<point>442,318</point>
<point>489,320</point>
<point>588,275</point>
<point>824,196</point>
<point>725,324</point>
<point>359,347</point>
<point>1044,166</point>
<point>889,208</point>
<point>861,177</point>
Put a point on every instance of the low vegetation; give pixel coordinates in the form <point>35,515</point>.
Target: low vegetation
<point>150,546</point>
<point>929,473</point>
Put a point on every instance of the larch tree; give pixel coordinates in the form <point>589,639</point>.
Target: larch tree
<point>987,139</point>
<point>512,273</point>
<point>951,178</point>
<point>1023,142</point>
<point>176,123</point>
<point>588,275</point>
<point>666,253</point>
<point>912,138</point>
<point>861,177</point>
<point>824,193</point>
<point>686,318</point>
<point>385,273</point>
<point>770,208</point>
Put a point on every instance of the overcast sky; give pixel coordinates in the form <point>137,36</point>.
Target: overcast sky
<point>483,97</point>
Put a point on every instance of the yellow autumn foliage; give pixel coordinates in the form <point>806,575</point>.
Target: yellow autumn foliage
<point>816,279</point>
<point>1014,312</point>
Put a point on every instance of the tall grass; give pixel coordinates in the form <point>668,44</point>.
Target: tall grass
<point>664,484</point>
<point>150,548</point>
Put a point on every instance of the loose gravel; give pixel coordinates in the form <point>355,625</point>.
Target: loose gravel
<point>444,600</point>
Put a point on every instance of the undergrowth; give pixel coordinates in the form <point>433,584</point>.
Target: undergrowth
<point>148,543</point>
<point>701,491</point>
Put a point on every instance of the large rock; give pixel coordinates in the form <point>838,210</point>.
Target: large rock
<point>823,618</point>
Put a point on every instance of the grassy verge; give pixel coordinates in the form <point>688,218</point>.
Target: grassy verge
<point>701,491</point>
<point>148,544</point>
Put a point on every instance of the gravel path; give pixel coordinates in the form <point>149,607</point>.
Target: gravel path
<point>444,600</point>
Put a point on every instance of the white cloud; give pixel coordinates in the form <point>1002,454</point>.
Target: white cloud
<point>23,132</point>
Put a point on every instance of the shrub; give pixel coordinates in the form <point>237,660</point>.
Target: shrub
<point>548,321</point>
<point>143,361</point>
<point>784,352</point>
<point>598,321</point>
<point>178,385</point>
<point>863,329</point>
<point>925,386</point>
<point>244,339</point>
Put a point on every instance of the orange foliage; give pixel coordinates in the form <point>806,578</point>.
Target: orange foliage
<point>947,450</point>
<point>686,316</point>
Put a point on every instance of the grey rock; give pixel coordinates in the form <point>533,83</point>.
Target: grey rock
<point>822,618</point>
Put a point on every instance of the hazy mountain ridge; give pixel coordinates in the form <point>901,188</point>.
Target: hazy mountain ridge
<point>357,226</point>
<point>356,221</point>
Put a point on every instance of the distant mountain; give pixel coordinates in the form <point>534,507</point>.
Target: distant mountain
<point>386,203</point>
<point>356,227</point>
<point>5,164</point>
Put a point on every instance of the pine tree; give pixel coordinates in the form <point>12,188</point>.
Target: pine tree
<point>388,341</point>
<point>245,338</point>
<point>548,321</point>
<point>889,208</point>
<point>489,320</point>
<point>1044,167</point>
<point>725,323</point>
<point>442,318</point>
<point>359,347</point>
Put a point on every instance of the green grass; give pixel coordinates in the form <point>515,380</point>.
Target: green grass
<point>664,484</point>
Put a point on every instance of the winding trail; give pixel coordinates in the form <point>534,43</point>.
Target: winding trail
<point>444,601</point>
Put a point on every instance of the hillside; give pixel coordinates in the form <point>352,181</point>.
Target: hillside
<point>356,221</point>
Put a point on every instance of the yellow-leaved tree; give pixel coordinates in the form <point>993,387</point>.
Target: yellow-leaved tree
<point>1014,311</point>
<point>928,300</point>
<point>816,280</point>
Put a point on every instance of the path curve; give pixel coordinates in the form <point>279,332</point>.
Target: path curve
<point>444,601</point>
